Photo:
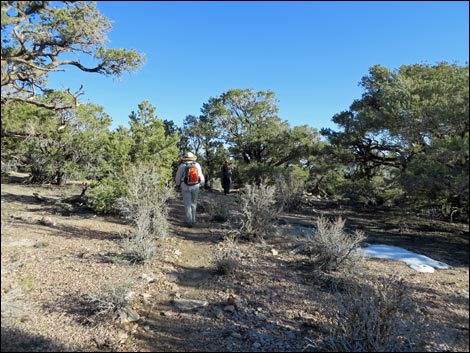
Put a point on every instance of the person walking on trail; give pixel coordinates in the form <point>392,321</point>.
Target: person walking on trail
<point>227,172</point>
<point>189,176</point>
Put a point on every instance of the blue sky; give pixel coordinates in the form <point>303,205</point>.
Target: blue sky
<point>312,55</point>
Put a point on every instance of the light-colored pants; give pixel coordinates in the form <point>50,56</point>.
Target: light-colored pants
<point>190,204</point>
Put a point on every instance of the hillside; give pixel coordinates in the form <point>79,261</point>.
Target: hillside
<point>53,258</point>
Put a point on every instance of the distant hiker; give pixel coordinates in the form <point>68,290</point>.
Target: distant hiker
<point>226,175</point>
<point>189,176</point>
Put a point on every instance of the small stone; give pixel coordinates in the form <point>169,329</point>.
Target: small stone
<point>99,342</point>
<point>218,313</point>
<point>47,221</point>
<point>147,278</point>
<point>236,335</point>
<point>122,336</point>
<point>229,308</point>
<point>189,304</point>
<point>126,314</point>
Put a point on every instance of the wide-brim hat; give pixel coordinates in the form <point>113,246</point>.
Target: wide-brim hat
<point>189,157</point>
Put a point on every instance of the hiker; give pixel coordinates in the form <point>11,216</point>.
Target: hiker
<point>226,176</point>
<point>189,176</point>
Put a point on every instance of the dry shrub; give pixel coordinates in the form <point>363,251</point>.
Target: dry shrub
<point>146,195</point>
<point>374,317</point>
<point>331,247</point>
<point>145,206</point>
<point>258,212</point>
<point>226,257</point>
<point>5,222</point>
<point>111,298</point>
<point>290,191</point>
<point>140,245</point>
<point>218,211</point>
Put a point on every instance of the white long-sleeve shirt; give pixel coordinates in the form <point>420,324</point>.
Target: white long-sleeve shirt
<point>180,172</point>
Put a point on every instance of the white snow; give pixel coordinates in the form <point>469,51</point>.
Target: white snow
<point>416,261</point>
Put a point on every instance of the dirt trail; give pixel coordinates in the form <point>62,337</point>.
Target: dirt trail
<point>172,328</point>
<point>195,243</point>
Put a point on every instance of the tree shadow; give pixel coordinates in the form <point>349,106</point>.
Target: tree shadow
<point>25,199</point>
<point>177,332</point>
<point>442,241</point>
<point>15,340</point>
<point>52,205</point>
<point>214,329</point>
<point>68,231</point>
<point>202,231</point>
<point>192,277</point>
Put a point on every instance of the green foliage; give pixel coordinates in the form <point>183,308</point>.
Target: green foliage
<point>139,185</point>
<point>200,135</point>
<point>327,165</point>
<point>290,185</point>
<point>254,172</point>
<point>440,177</point>
<point>103,194</point>
<point>248,124</point>
<point>246,120</point>
<point>150,142</point>
<point>294,146</point>
<point>55,145</point>
<point>37,35</point>
<point>410,129</point>
<point>116,152</point>
<point>20,124</point>
<point>88,134</point>
<point>27,284</point>
<point>378,190</point>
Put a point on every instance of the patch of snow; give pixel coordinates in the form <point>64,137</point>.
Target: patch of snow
<point>416,261</point>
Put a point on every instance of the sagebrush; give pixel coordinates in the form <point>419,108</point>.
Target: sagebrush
<point>226,257</point>
<point>144,205</point>
<point>259,212</point>
<point>290,191</point>
<point>111,298</point>
<point>331,247</point>
<point>374,316</point>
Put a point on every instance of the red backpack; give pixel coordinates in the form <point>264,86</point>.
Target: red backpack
<point>191,174</point>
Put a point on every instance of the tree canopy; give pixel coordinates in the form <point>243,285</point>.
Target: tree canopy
<point>247,122</point>
<point>410,129</point>
<point>39,37</point>
<point>402,112</point>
